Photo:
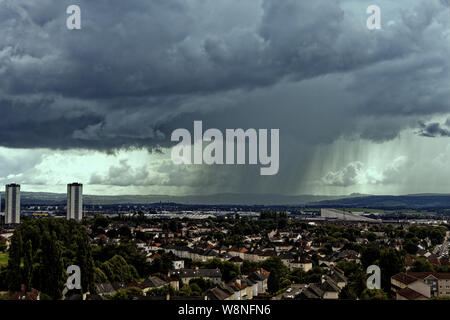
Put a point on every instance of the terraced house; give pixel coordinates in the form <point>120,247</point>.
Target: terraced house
<point>420,285</point>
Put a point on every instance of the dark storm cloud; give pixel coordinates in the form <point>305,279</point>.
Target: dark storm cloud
<point>139,69</point>
<point>434,129</point>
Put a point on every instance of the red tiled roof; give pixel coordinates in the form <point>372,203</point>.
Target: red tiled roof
<point>434,261</point>
<point>410,277</point>
<point>263,271</point>
<point>404,278</point>
<point>410,294</point>
<point>423,275</point>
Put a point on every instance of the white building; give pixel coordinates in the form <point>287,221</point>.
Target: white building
<point>12,204</point>
<point>75,201</point>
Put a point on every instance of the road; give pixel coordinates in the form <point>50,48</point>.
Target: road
<point>294,290</point>
<point>442,249</point>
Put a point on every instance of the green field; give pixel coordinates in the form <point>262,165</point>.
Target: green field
<point>3,259</point>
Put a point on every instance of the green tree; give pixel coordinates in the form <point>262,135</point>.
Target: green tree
<point>3,246</point>
<point>86,263</point>
<point>275,264</point>
<point>201,283</point>
<point>99,276</point>
<point>14,278</point>
<point>51,266</point>
<point>369,255</point>
<point>371,236</point>
<point>195,289</point>
<point>348,293</point>
<point>410,246</point>
<point>273,283</point>
<point>127,294</point>
<point>40,251</point>
<point>248,266</point>
<point>374,294</point>
<point>28,264</point>
<point>162,264</point>
<point>185,291</point>
<point>391,262</point>
<point>228,269</point>
<point>117,269</point>
<point>422,265</point>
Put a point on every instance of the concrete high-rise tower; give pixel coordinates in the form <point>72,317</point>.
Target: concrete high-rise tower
<point>75,201</point>
<point>12,204</point>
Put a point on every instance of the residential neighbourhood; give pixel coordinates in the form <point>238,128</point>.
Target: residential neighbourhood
<point>269,256</point>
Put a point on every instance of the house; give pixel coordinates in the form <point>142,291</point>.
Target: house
<point>327,289</point>
<point>301,262</point>
<point>172,281</point>
<point>240,252</point>
<point>327,261</point>
<point>218,294</point>
<point>185,275</point>
<point>409,294</point>
<point>401,281</point>
<point>237,260</point>
<point>279,247</point>
<point>33,294</point>
<point>346,255</point>
<point>224,256</point>
<point>337,275</point>
<point>240,290</point>
<point>246,287</point>
<point>152,257</point>
<point>311,291</point>
<point>286,258</point>
<point>330,288</point>
<point>439,282</point>
<point>434,260</point>
<point>260,276</point>
<point>152,282</point>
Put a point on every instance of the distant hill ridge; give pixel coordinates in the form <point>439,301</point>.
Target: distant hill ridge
<point>215,199</point>
<point>426,200</point>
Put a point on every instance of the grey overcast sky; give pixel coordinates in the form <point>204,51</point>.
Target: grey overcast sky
<point>358,110</point>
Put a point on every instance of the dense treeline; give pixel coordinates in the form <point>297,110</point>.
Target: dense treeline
<point>40,252</point>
